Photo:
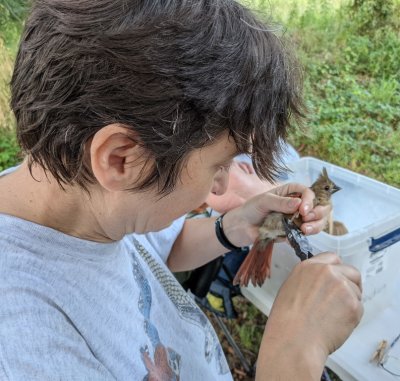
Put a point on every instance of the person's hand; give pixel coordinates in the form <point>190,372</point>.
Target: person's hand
<point>256,267</point>
<point>315,311</point>
<point>241,224</point>
<point>321,301</point>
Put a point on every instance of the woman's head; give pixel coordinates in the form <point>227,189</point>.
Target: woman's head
<point>177,74</point>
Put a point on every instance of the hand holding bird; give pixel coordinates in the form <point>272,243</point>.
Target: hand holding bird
<point>256,266</point>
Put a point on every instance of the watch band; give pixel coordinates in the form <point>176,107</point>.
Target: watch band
<point>219,231</point>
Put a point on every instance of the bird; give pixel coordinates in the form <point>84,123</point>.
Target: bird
<point>256,267</point>
<point>335,227</point>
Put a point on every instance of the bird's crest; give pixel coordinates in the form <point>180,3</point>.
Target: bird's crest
<point>324,187</point>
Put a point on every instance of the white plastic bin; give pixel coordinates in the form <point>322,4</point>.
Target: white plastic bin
<point>371,212</point>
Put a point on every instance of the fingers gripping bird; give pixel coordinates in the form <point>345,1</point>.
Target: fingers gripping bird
<point>257,265</point>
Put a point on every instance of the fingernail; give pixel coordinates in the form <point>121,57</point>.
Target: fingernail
<point>309,229</point>
<point>293,202</point>
<point>306,208</point>
<point>311,216</point>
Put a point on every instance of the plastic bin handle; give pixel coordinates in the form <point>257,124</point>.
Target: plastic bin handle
<point>385,241</point>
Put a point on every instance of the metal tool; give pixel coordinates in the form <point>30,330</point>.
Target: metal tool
<point>297,239</point>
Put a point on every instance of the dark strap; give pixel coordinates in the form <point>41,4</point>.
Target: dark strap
<point>219,231</point>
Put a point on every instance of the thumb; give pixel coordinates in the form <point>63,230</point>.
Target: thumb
<point>276,203</point>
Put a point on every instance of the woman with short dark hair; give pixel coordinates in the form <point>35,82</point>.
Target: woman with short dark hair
<point>129,113</point>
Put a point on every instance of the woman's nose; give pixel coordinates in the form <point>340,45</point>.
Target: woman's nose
<point>221,182</point>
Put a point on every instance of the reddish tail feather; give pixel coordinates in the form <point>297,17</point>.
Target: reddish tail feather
<point>257,264</point>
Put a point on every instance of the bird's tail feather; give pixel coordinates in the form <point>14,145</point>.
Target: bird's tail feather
<point>256,266</point>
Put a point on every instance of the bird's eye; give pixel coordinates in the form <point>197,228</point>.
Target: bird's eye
<point>326,187</point>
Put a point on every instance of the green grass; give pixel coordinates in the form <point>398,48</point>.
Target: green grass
<point>11,14</point>
<point>6,62</point>
<point>9,150</point>
<point>8,145</point>
<point>352,82</point>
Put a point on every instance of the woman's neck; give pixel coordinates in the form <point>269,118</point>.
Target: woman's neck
<point>41,200</point>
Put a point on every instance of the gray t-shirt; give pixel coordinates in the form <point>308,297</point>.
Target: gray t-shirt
<point>72,309</point>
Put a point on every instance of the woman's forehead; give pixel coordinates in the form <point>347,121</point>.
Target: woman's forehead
<point>222,149</point>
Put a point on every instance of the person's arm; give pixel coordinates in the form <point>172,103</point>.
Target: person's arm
<point>316,308</point>
<point>197,243</point>
<point>315,311</point>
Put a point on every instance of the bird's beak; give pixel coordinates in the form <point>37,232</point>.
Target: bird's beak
<point>335,189</point>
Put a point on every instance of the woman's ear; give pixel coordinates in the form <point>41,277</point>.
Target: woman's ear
<point>117,159</point>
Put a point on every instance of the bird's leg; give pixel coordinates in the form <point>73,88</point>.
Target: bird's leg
<point>330,222</point>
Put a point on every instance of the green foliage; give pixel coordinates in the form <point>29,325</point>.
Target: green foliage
<point>9,150</point>
<point>12,10</point>
<point>251,328</point>
<point>5,74</point>
<point>350,54</point>
<point>357,124</point>
<point>369,15</point>
<point>11,15</point>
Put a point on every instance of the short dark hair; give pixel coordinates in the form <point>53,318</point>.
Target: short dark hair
<point>177,72</point>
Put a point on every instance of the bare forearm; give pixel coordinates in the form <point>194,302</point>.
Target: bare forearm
<point>288,360</point>
<point>315,311</point>
<point>197,244</point>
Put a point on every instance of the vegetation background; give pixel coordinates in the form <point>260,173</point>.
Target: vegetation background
<point>350,51</point>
